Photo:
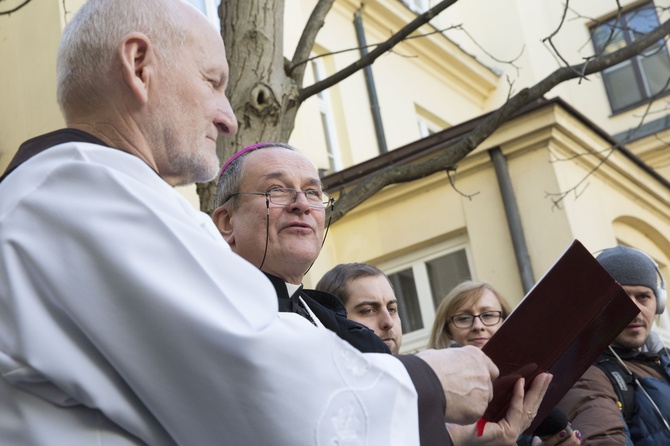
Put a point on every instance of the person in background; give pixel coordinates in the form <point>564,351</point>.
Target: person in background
<point>272,212</point>
<point>368,297</point>
<point>624,398</point>
<point>271,209</point>
<point>469,315</point>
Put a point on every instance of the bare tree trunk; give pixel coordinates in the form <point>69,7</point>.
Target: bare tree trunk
<point>263,97</point>
<point>265,90</point>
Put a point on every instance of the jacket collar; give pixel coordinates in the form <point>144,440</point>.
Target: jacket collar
<point>41,143</point>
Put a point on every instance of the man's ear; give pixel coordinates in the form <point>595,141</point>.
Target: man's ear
<point>138,60</point>
<point>223,220</point>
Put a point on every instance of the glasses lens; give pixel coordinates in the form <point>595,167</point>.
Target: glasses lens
<point>281,196</point>
<point>314,197</point>
<point>284,197</point>
<point>490,318</point>
<point>463,320</point>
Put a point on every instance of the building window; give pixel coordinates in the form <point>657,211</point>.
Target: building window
<point>418,6</point>
<point>420,281</point>
<point>426,128</point>
<point>210,9</point>
<point>428,122</point>
<point>634,81</point>
<point>325,107</point>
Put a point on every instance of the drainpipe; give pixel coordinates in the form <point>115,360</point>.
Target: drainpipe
<point>513,219</point>
<point>370,83</point>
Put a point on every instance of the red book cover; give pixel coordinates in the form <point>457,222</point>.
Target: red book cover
<point>562,325</point>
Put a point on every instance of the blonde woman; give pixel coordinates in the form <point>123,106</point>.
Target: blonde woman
<point>471,314</point>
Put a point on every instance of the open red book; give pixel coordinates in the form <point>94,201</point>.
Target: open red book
<point>562,325</point>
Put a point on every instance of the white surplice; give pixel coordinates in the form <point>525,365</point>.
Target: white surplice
<point>126,319</point>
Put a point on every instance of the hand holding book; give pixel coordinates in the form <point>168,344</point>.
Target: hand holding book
<point>569,317</point>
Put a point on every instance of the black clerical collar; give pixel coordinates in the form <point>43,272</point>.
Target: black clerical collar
<point>281,287</point>
<point>41,143</point>
<point>292,303</point>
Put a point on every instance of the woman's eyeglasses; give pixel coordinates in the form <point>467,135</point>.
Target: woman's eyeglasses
<point>488,318</point>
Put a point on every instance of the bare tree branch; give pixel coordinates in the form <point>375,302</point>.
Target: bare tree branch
<point>9,11</point>
<point>558,28</point>
<point>557,159</point>
<point>307,39</point>
<point>374,54</point>
<point>511,62</point>
<point>558,197</point>
<point>449,157</point>
<point>371,45</point>
<point>452,181</point>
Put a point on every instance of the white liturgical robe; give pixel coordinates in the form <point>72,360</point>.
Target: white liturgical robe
<point>126,319</point>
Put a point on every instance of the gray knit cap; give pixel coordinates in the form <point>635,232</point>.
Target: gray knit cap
<point>629,266</point>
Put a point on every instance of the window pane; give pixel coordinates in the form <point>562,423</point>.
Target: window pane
<point>603,35</point>
<point>327,120</point>
<point>633,81</point>
<point>656,69</point>
<point>642,20</point>
<point>418,6</point>
<point>446,272</point>
<point>200,4</point>
<point>621,86</point>
<point>408,300</point>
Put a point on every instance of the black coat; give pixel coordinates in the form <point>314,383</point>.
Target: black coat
<point>331,313</point>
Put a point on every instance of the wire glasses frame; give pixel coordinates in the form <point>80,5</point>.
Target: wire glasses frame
<point>286,196</point>
<point>488,318</point>
<point>289,196</point>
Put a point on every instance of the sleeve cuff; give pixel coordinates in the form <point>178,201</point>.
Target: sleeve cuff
<point>431,401</point>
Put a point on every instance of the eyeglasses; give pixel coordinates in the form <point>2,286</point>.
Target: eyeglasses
<point>488,318</point>
<point>284,196</point>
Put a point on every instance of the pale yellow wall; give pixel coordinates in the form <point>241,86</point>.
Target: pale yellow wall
<point>505,29</point>
<point>438,77</point>
<point>653,150</point>
<point>501,27</point>
<point>432,81</point>
<point>406,218</point>
<point>28,45</point>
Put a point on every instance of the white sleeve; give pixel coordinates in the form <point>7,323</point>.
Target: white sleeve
<point>116,294</point>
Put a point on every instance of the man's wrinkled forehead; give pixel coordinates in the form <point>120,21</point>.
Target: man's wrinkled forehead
<point>263,166</point>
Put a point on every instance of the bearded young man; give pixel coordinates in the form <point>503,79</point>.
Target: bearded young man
<point>624,398</point>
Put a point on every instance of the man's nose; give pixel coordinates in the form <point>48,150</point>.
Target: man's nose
<point>387,320</point>
<point>225,120</point>
<point>299,201</point>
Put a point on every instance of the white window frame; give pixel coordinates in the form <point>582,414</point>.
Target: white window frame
<point>418,6</point>
<point>417,340</point>
<point>426,127</point>
<point>325,107</point>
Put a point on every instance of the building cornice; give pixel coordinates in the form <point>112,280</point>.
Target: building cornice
<point>442,140</point>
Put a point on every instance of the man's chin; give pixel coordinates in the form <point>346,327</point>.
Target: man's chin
<point>208,170</point>
<point>630,343</point>
<point>391,344</point>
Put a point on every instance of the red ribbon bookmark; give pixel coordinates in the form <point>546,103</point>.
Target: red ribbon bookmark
<point>481,424</point>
